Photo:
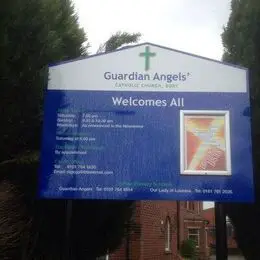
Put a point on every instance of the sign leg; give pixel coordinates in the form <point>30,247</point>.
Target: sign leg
<point>221,232</point>
<point>67,244</point>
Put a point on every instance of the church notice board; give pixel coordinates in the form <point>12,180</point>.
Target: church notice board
<point>147,123</point>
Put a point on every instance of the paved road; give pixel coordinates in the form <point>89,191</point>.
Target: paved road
<point>230,258</point>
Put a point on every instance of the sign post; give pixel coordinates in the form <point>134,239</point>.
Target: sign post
<point>221,233</point>
<point>147,122</point>
<point>68,220</point>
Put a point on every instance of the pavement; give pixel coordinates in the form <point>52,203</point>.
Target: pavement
<point>234,257</point>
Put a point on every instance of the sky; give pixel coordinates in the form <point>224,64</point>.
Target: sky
<point>193,26</point>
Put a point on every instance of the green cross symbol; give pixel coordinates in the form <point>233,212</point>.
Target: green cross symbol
<point>147,55</point>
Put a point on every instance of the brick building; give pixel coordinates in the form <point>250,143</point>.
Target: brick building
<point>209,215</point>
<point>158,229</point>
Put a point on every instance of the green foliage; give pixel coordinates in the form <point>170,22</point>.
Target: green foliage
<point>241,40</point>
<point>117,40</point>
<point>36,228</point>
<point>188,248</point>
<point>33,34</point>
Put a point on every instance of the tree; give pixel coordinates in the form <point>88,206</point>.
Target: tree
<point>33,34</point>
<point>117,40</point>
<point>241,40</point>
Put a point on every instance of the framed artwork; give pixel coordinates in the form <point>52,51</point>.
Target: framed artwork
<point>205,142</point>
